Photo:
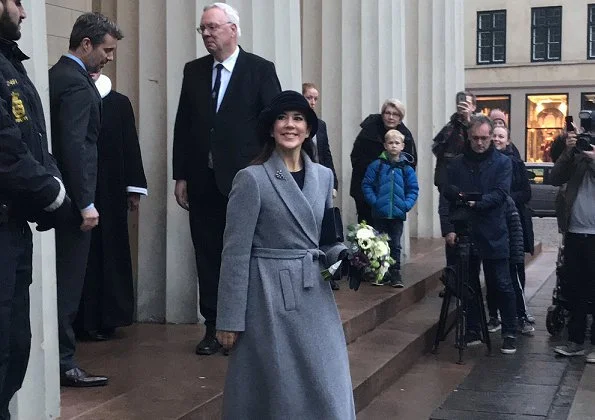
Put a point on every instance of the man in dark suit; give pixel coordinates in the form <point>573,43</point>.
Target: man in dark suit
<point>214,137</point>
<point>323,150</point>
<point>75,107</point>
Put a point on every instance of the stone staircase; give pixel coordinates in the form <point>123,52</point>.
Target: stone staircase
<point>386,330</point>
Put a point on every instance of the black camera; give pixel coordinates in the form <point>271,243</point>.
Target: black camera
<point>461,215</point>
<point>586,139</point>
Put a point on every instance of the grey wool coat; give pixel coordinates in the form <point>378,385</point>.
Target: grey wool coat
<point>290,360</point>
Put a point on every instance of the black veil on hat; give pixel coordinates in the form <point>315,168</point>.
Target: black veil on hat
<point>288,100</point>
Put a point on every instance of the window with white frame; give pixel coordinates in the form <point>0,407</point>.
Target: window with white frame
<point>491,37</point>
<point>546,33</point>
<point>591,32</point>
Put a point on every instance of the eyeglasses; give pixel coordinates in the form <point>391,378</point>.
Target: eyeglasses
<point>211,27</point>
<point>392,114</point>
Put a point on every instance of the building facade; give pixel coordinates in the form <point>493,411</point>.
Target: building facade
<point>534,60</point>
<point>358,53</point>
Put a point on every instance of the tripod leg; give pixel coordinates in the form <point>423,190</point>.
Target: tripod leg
<point>440,332</point>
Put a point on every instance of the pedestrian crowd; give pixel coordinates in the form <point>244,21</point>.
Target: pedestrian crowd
<point>253,167</point>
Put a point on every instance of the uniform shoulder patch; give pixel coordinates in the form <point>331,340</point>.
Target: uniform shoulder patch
<point>18,108</point>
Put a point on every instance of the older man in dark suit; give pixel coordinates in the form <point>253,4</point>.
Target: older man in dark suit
<point>214,137</point>
<point>75,107</point>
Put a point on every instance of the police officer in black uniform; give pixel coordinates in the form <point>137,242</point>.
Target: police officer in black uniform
<point>30,190</point>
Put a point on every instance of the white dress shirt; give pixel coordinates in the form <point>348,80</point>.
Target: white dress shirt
<point>226,71</point>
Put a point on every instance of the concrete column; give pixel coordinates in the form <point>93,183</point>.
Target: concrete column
<point>152,108</point>
<point>159,39</point>
<point>437,74</point>
<point>39,397</point>
<point>362,63</point>
<point>271,29</point>
<point>182,42</point>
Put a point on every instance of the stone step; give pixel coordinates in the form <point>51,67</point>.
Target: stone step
<point>370,306</point>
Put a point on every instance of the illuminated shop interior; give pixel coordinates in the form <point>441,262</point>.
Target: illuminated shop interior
<point>545,120</point>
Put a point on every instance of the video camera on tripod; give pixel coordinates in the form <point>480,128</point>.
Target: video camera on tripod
<point>456,279</point>
<point>461,216</point>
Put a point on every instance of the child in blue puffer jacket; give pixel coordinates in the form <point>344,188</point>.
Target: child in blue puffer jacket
<point>390,187</point>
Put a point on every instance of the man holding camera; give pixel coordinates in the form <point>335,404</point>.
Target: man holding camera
<point>576,168</point>
<point>449,142</point>
<point>481,169</point>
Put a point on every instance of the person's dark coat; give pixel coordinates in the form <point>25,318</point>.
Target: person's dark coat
<point>108,296</point>
<point>489,174</point>
<point>368,146</point>
<point>76,119</point>
<point>448,144</point>
<point>325,158</point>
<point>27,170</point>
<point>390,188</point>
<point>75,107</point>
<point>515,233</point>
<point>520,191</point>
<point>231,135</point>
<point>570,169</point>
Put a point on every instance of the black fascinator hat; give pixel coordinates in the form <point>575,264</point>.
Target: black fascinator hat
<point>288,100</point>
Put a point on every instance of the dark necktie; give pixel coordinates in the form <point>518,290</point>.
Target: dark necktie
<point>216,86</point>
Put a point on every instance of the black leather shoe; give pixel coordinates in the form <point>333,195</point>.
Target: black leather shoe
<point>78,378</point>
<point>334,285</point>
<point>95,335</point>
<point>209,345</point>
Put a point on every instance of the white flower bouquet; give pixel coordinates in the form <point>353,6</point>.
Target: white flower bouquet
<point>369,251</point>
<point>368,256</point>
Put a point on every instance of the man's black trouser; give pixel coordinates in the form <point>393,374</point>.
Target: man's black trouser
<point>207,224</point>
<point>517,275</point>
<point>72,251</point>
<point>16,249</point>
<point>497,276</point>
<point>579,262</point>
<point>364,211</point>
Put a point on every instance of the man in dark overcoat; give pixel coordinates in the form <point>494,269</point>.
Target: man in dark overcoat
<point>108,294</point>
<point>30,190</point>
<point>75,108</point>
<point>214,137</point>
<point>480,168</point>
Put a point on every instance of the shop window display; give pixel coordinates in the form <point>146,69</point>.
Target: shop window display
<point>485,103</point>
<point>545,121</point>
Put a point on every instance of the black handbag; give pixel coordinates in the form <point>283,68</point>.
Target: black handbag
<point>332,227</point>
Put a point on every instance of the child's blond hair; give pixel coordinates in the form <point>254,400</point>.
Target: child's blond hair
<point>394,134</point>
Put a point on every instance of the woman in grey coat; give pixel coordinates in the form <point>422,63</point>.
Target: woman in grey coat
<point>278,316</point>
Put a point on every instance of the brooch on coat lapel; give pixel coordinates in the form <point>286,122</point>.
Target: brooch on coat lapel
<point>279,175</point>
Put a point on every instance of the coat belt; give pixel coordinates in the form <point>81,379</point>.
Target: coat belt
<point>309,257</point>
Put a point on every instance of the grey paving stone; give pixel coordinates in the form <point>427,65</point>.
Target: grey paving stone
<point>495,379</point>
<point>444,414</point>
<point>502,403</point>
<point>499,385</point>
